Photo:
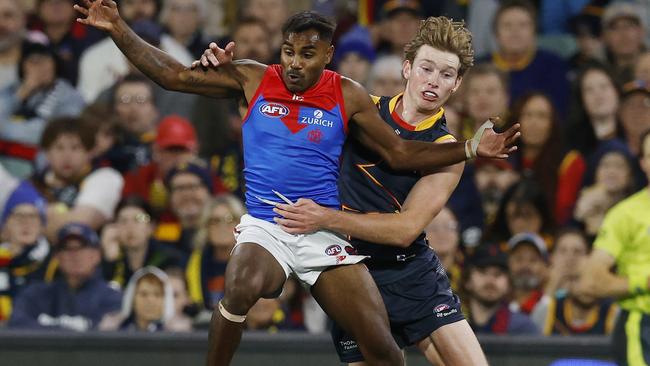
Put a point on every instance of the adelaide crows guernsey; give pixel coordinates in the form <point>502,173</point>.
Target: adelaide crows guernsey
<point>293,142</point>
<point>369,185</point>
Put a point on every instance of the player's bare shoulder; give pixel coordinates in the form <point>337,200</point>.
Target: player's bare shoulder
<point>355,96</point>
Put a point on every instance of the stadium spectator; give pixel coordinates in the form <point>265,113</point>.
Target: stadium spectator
<point>385,78</point>
<point>24,250</point>
<point>493,178</point>
<point>561,311</point>
<point>634,113</point>
<point>587,31</point>
<point>175,142</point>
<point>623,34</point>
<point>529,68</point>
<point>485,93</point>
<point>26,106</point>
<point>623,245</point>
<point>593,112</point>
<point>182,304</point>
<point>108,137</point>
<point>190,185</point>
<point>251,36</point>
<point>487,285</point>
<point>128,245</point>
<point>527,262</point>
<point>9,184</point>
<point>76,301</point>
<point>12,33</point>
<point>542,155</point>
<point>609,180</point>
<point>400,22</point>
<point>270,315</point>
<point>642,68</point>
<point>182,20</point>
<point>444,238</point>
<point>523,209</point>
<point>354,55</point>
<point>102,64</point>
<point>56,18</point>
<point>273,13</point>
<point>147,306</point>
<point>74,191</point>
<point>212,245</point>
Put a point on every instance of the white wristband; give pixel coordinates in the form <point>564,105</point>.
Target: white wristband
<point>477,137</point>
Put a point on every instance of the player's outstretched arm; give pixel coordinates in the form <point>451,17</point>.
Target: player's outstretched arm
<point>229,80</point>
<point>402,154</point>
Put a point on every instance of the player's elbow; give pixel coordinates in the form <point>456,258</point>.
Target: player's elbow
<point>396,156</point>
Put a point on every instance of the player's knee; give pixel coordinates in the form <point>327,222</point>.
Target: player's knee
<point>384,355</point>
<point>241,293</point>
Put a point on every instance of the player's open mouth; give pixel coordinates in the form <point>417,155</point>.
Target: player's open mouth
<point>429,96</point>
<point>294,78</point>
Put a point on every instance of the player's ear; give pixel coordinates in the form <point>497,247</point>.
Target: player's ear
<point>330,52</point>
<point>459,80</point>
<point>406,69</point>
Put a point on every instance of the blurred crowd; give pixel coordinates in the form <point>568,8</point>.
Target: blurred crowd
<point>118,198</point>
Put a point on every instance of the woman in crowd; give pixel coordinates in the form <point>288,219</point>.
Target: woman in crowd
<point>542,156</point>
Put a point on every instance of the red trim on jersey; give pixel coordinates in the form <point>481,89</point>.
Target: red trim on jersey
<point>399,119</point>
<point>339,96</point>
<point>258,91</point>
<point>18,150</point>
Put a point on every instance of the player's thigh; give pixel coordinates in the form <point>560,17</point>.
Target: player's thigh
<point>349,295</point>
<point>430,353</point>
<point>457,345</point>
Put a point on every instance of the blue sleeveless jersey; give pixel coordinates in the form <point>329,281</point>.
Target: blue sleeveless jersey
<point>293,142</point>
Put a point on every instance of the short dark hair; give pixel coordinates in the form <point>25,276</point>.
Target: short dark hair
<point>248,20</point>
<point>307,20</point>
<point>136,201</point>
<point>506,5</point>
<point>131,78</point>
<point>68,125</point>
<point>644,136</point>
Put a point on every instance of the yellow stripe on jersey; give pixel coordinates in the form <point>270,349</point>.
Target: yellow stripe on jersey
<point>445,138</point>
<point>423,125</point>
<point>375,99</point>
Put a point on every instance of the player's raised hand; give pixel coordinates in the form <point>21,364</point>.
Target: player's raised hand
<point>215,55</point>
<point>489,144</point>
<point>101,14</point>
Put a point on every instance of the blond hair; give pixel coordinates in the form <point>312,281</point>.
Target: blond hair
<point>444,34</point>
<point>235,207</point>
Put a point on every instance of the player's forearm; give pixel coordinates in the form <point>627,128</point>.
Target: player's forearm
<point>154,63</point>
<point>417,155</point>
<point>392,229</point>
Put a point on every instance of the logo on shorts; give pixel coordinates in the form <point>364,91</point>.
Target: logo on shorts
<point>444,310</point>
<point>340,259</point>
<point>274,110</point>
<point>351,250</point>
<point>333,250</point>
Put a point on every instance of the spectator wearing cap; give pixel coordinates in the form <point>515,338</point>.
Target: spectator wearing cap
<point>80,298</point>
<point>103,64</point>
<point>25,107</point>
<point>400,22</point>
<point>529,68</point>
<point>487,285</point>
<point>634,113</point>
<point>56,18</point>
<point>562,311</point>
<point>175,143</point>
<point>190,185</point>
<point>75,192</point>
<point>354,55</point>
<point>619,267</point>
<point>128,243</point>
<point>24,251</point>
<point>623,34</point>
<point>527,262</point>
<point>14,29</point>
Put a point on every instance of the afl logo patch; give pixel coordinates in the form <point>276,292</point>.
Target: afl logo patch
<point>441,307</point>
<point>274,110</point>
<point>333,250</point>
<point>318,113</point>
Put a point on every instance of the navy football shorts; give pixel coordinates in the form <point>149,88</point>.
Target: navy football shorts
<point>417,305</point>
